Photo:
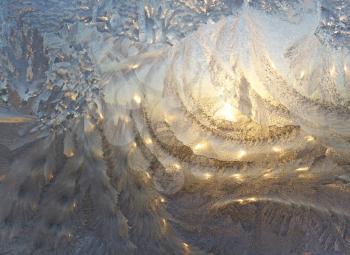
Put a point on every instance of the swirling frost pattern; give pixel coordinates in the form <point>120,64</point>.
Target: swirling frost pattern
<point>175,127</point>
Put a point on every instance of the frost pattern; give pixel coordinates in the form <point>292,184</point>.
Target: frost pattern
<point>174,127</point>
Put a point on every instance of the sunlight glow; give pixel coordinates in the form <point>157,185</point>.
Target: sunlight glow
<point>227,112</point>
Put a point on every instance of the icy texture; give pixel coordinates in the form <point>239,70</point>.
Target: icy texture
<point>175,127</point>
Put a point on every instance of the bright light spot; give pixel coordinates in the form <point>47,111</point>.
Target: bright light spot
<point>305,176</point>
<point>332,70</point>
<point>239,177</point>
<point>226,112</point>
<point>246,200</point>
<point>103,18</point>
<point>125,119</point>
<point>137,99</point>
<point>277,149</point>
<point>309,138</point>
<point>148,175</point>
<point>162,200</point>
<point>302,74</point>
<point>69,153</point>
<point>185,245</point>
<point>71,95</point>
<point>134,66</point>
<point>164,221</point>
<point>148,141</point>
<point>207,176</point>
<point>251,199</point>
<point>241,201</point>
<point>200,146</point>
<point>345,68</point>
<point>242,153</point>
<point>177,166</point>
<point>133,145</point>
<point>100,115</point>
<point>302,169</point>
<point>267,175</point>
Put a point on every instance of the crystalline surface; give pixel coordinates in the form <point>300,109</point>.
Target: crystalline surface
<point>175,127</point>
